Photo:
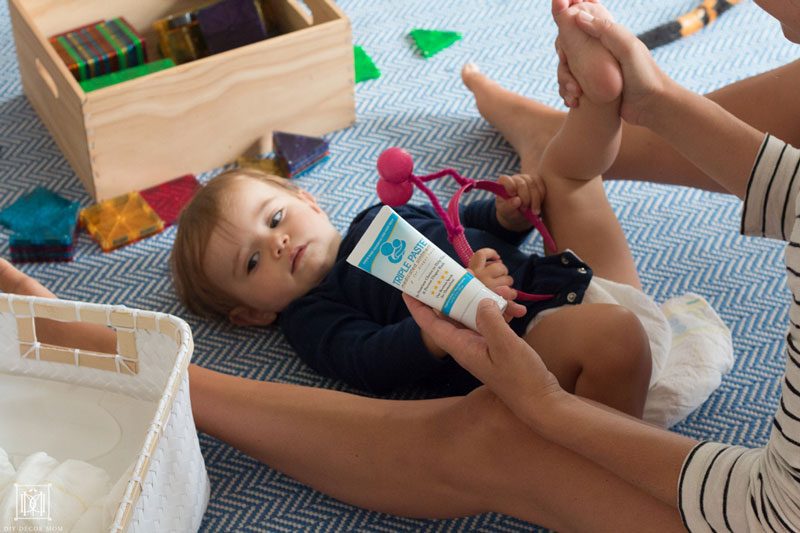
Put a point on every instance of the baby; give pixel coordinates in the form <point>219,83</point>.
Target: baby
<point>256,249</point>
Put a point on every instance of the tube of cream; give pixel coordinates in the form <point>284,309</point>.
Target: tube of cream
<point>393,250</point>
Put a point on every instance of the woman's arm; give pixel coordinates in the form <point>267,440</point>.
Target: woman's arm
<point>91,337</point>
<point>718,143</point>
<point>767,102</point>
<point>647,457</point>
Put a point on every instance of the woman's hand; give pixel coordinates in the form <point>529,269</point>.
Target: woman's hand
<point>644,82</point>
<point>495,355</point>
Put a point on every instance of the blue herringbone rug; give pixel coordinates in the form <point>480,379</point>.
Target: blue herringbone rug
<point>682,239</point>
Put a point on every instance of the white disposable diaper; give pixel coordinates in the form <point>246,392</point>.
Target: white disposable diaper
<point>690,345</point>
<point>76,496</point>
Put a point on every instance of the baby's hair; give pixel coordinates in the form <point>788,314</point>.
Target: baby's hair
<point>196,223</point>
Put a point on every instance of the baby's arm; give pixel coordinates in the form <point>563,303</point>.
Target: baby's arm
<point>90,337</point>
<point>488,267</point>
<point>525,192</point>
<point>588,141</point>
<point>504,220</point>
<point>338,340</point>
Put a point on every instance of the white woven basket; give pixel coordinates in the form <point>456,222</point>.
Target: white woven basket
<point>155,453</point>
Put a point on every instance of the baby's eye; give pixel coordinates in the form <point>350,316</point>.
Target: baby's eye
<point>276,218</point>
<point>253,262</point>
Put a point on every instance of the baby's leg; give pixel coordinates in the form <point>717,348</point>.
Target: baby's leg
<point>597,351</point>
<point>577,212</point>
<point>588,141</point>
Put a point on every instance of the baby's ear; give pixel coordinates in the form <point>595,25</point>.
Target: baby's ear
<point>247,316</point>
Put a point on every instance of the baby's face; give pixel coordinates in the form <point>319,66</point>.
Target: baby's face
<point>272,247</point>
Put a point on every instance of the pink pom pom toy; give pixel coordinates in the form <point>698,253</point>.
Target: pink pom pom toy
<point>396,185</point>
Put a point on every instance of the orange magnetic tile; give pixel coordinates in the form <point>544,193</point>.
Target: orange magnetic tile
<point>120,221</point>
<point>268,165</point>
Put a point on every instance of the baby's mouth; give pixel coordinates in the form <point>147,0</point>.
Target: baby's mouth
<point>297,255</point>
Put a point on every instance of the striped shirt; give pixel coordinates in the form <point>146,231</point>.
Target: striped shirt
<point>731,488</point>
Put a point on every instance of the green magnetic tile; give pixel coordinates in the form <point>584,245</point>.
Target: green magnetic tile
<point>365,67</point>
<point>113,41</point>
<point>139,45</point>
<point>74,54</point>
<point>125,75</point>
<point>431,42</point>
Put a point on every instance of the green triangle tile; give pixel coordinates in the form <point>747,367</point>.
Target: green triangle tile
<point>430,42</point>
<point>365,67</point>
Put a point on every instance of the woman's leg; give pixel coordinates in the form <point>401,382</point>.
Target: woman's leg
<point>767,102</point>
<point>431,458</point>
<point>436,458</point>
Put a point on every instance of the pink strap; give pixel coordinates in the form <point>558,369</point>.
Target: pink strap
<point>456,236</point>
<point>452,220</point>
<point>500,191</point>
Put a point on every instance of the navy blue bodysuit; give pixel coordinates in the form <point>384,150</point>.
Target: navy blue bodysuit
<point>356,328</point>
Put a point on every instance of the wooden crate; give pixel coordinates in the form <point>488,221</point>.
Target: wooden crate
<point>193,117</point>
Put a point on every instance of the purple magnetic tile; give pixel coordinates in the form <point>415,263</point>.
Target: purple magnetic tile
<point>229,24</point>
<point>304,169</point>
<point>297,151</point>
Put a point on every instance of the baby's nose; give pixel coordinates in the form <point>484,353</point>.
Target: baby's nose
<point>281,243</point>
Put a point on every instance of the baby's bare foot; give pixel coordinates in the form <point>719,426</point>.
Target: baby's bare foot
<point>525,123</point>
<point>596,70</point>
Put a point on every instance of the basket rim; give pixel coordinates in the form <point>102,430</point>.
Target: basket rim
<point>32,306</point>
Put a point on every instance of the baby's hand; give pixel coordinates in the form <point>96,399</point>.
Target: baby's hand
<point>525,192</point>
<point>489,269</point>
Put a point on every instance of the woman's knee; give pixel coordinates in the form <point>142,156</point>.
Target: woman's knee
<point>469,432</point>
<point>480,416</point>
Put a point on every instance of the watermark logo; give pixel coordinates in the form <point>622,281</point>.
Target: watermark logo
<point>33,502</point>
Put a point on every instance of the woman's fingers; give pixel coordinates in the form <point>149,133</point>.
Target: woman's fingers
<point>616,38</point>
<point>439,328</point>
<point>568,87</point>
<point>499,336</point>
<point>463,344</point>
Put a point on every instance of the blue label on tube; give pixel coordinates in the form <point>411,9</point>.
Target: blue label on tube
<point>374,250</point>
<point>453,296</point>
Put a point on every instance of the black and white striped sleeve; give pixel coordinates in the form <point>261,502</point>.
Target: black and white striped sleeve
<point>731,488</point>
<point>769,207</point>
